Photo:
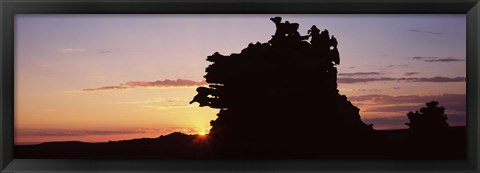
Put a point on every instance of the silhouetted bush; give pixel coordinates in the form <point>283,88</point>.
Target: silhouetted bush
<point>430,119</point>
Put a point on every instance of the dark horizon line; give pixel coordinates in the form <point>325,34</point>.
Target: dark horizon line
<point>37,143</point>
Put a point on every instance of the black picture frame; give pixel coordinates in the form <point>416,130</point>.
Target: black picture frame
<point>8,9</point>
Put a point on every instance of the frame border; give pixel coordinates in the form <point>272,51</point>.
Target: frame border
<point>8,9</point>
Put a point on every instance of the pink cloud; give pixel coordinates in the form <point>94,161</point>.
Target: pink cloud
<point>145,84</point>
<point>437,79</point>
<point>72,50</point>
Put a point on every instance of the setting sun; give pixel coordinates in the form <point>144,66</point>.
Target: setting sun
<point>202,133</point>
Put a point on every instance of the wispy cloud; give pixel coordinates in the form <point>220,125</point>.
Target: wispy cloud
<point>65,132</point>
<point>166,83</point>
<point>157,100</point>
<point>383,98</point>
<point>145,84</point>
<point>398,65</point>
<point>159,104</point>
<point>445,60</point>
<point>364,80</point>
<point>72,50</point>
<point>104,51</point>
<point>360,74</point>
<point>106,88</point>
<point>389,111</point>
<point>426,32</point>
<point>437,59</point>
<point>68,132</point>
<point>452,102</point>
<point>360,90</point>
<point>410,73</point>
<point>437,79</point>
<point>165,107</point>
<point>395,108</point>
<point>423,57</point>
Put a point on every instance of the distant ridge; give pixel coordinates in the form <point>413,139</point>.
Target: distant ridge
<point>183,146</point>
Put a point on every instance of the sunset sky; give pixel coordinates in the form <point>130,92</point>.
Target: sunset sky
<point>97,78</point>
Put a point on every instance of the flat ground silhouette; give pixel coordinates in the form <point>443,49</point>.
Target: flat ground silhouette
<point>395,145</point>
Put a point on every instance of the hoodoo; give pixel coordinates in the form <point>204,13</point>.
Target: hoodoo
<point>281,97</point>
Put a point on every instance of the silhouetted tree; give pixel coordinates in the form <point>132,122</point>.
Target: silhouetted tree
<point>429,130</point>
<point>430,119</point>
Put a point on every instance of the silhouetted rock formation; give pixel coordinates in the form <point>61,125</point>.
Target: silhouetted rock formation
<point>281,97</point>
